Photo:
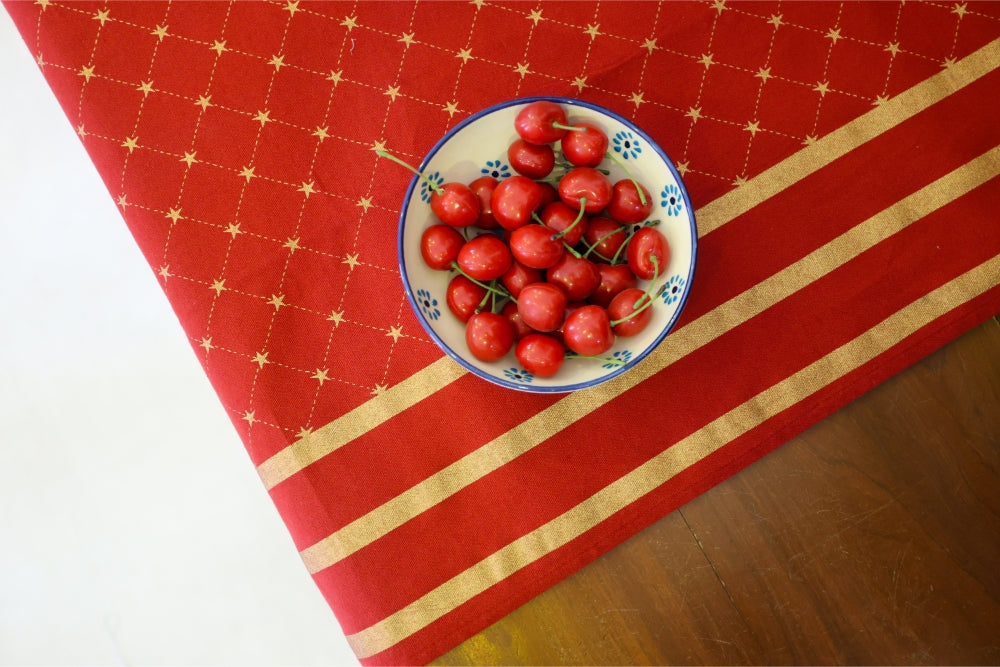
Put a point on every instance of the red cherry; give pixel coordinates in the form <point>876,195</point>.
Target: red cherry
<point>531,160</point>
<point>586,146</point>
<point>559,217</point>
<point>542,306</point>
<point>489,336</point>
<point>463,297</point>
<point>587,331</point>
<point>540,354</point>
<point>626,205</point>
<point>514,200</point>
<point>541,122</point>
<point>585,183</point>
<point>646,243</point>
<point>456,205</point>
<point>439,246</point>
<point>485,257</point>
<point>519,275</point>
<point>549,194</point>
<point>483,188</point>
<point>614,279</point>
<point>625,321</point>
<point>577,276</point>
<point>521,329</point>
<point>535,246</point>
<point>605,237</point>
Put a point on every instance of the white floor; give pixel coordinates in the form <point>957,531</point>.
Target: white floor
<point>133,528</point>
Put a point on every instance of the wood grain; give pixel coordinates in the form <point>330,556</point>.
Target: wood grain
<point>873,537</point>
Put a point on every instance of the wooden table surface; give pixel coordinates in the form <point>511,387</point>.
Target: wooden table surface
<point>873,538</point>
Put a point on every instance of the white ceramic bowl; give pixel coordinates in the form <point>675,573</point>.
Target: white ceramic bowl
<point>478,146</point>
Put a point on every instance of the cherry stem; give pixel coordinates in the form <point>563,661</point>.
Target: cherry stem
<point>571,250</point>
<point>434,186</point>
<point>571,128</point>
<point>592,248</point>
<point>579,217</point>
<point>488,288</point>
<point>645,295</point>
<point>607,360</point>
<point>638,188</point>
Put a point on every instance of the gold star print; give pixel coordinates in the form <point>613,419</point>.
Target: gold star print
<point>43,3</point>
<point>892,47</point>
<point>321,132</point>
<point>451,108</point>
<point>694,113</point>
<point>101,15</point>
<point>174,215</point>
<point>948,62</point>
<point>365,203</point>
<point>522,69</point>
<point>719,6</point>
<point>247,173</point>
<point>204,101</point>
<point>263,117</point>
<point>822,87</point>
<point>407,38</point>
<point>206,343</point>
<point>740,180</point>
<point>304,433</point>
<point>307,188</point>
<point>219,46</point>
<point>165,272</point>
<point>130,143</point>
<point>335,76</point>
<point>292,7</point>
<point>764,73</point>
<point>260,359</point>
<point>535,16</point>
<point>189,158</point>
<point>809,140</point>
<point>395,333</point>
<point>392,92</point>
<point>292,245</point>
<point>219,286</point>
<point>160,32</point>
<point>650,45</point>
<point>683,168</point>
<point>321,375</point>
<point>86,72</point>
<point>379,389</point>
<point>637,99</point>
<point>123,201</point>
<point>336,317</point>
<point>959,9</point>
<point>592,30</point>
<point>478,3</point>
<point>707,60</point>
<point>234,229</point>
<point>82,132</point>
<point>249,418</point>
<point>146,87</point>
<point>40,60</point>
<point>775,20</point>
<point>277,300</point>
<point>350,22</point>
<point>752,128</point>
<point>351,260</point>
<point>464,54</point>
<point>277,61</point>
<point>880,100</point>
<point>580,82</point>
<point>833,34</point>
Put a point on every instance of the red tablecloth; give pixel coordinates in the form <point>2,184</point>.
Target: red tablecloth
<point>843,160</point>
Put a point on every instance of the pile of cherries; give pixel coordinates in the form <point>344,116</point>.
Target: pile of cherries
<point>558,276</point>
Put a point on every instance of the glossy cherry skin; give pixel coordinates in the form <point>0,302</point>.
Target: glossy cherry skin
<point>624,306</point>
<point>514,200</point>
<point>549,195</point>
<point>587,331</point>
<point>519,275</point>
<point>536,122</point>
<point>439,246</point>
<point>542,306</point>
<point>605,236</point>
<point>586,182</point>
<point>489,336</point>
<point>531,160</point>
<point>540,354</point>
<point>646,243</point>
<point>463,297</point>
<point>626,206</point>
<point>483,188</point>
<point>535,246</point>
<point>614,279</point>
<point>585,147</point>
<point>485,257</point>
<point>576,276</point>
<point>521,329</point>
<point>559,217</point>
<point>457,205</point>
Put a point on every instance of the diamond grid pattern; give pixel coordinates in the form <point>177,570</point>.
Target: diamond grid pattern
<point>236,139</point>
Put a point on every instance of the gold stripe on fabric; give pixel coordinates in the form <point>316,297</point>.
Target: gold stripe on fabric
<point>659,470</point>
<point>713,215</point>
<point>520,439</point>
<point>848,137</point>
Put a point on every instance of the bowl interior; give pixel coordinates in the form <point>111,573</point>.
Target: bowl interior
<point>478,147</point>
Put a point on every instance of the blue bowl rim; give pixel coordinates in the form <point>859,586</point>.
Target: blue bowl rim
<point>568,102</point>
